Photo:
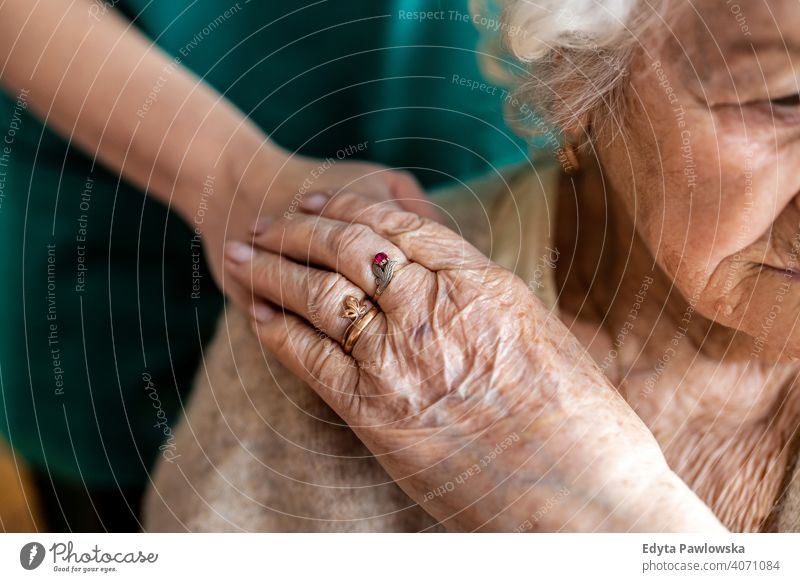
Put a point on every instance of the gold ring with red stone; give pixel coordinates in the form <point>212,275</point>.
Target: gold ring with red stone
<point>384,269</point>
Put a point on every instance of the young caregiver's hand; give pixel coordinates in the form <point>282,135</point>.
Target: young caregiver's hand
<point>91,76</point>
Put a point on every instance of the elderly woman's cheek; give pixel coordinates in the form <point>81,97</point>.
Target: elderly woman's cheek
<point>731,199</point>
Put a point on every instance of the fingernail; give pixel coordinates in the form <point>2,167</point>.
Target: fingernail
<point>239,252</point>
<point>261,225</point>
<point>262,312</point>
<point>314,202</point>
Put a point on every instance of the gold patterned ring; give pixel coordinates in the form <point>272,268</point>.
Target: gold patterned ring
<point>354,308</point>
<point>353,332</point>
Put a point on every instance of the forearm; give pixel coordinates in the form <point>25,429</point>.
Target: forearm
<point>552,447</point>
<point>522,479</point>
<point>107,88</point>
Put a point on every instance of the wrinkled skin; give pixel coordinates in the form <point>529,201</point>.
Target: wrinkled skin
<point>692,188</point>
<point>462,359</point>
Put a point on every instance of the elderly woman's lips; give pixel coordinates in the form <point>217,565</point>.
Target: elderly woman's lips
<point>793,274</point>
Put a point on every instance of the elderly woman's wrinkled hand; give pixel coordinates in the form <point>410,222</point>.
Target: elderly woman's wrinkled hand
<point>475,398</point>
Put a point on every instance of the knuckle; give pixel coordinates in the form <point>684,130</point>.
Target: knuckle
<point>399,223</point>
<point>354,235</point>
<point>325,290</point>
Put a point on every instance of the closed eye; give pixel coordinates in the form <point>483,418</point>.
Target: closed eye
<point>788,101</point>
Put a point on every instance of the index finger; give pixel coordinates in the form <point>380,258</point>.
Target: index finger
<point>423,241</point>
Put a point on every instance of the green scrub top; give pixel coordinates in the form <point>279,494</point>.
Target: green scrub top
<point>106,301</point>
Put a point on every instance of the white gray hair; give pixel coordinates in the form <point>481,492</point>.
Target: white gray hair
<point>578,53</point>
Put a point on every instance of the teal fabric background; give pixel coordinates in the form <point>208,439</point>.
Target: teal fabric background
<point>317,77</point>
